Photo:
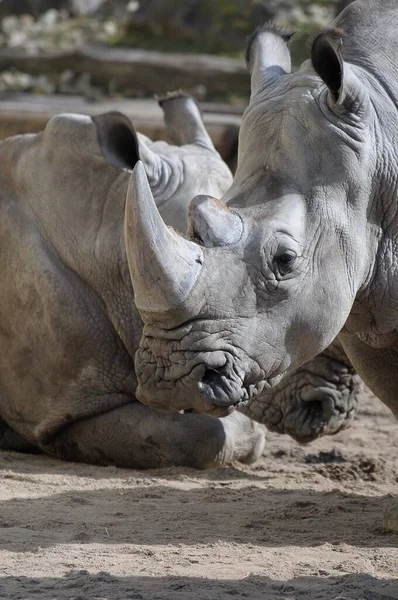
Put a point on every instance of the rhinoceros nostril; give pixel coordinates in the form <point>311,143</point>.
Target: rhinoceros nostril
<point>212,377</point>
<point>216,386</point>
<point>209,387</point>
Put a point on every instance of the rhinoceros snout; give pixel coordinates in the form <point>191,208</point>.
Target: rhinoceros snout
<point>211,381</point>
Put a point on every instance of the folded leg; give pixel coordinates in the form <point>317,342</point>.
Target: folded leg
<point>319,398</point>
<point>134,436</point>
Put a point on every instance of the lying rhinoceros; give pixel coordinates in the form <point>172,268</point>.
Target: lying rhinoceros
<point>305,245</point>
<point>69,328</point>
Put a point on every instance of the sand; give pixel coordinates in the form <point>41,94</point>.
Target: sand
<point>303,522</point>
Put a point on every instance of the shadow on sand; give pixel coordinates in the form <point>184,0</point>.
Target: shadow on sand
<point>81,585</point>
<point>270,518</point>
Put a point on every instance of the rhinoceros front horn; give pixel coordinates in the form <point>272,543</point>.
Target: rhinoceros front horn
<point>163,265</point>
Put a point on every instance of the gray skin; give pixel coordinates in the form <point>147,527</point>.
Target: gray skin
<point>312,211</point>
<point>69,328</point>
<point>68,325</point>
<point>319,398</point>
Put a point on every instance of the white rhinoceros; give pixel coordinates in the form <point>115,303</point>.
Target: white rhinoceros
<point>69,328</point>
<point>304,245</point>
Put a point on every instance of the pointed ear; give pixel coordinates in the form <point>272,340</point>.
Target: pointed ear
<point>117,139</point>
<point>346,91</point>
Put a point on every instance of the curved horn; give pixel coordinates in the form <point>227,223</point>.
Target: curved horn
<point>213,222</point>
<point>163,265</point>
<point>267,56</point>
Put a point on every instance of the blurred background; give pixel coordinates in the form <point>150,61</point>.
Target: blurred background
<point>94,55</point>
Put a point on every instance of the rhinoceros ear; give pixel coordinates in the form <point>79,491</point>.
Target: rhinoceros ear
<point>117,139</point>
<point>345,89</point>
<point>267,56</point>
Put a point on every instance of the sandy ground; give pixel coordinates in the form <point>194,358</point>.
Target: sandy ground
<point>303,522</point>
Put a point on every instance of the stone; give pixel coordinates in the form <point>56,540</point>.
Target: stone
<point>50,18</point>
<point>390,519</point>
<point>86,7</point>
<point>9,24</point>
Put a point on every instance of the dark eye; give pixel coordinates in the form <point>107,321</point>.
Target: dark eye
<point>286,258</point>
<point>285,261</point>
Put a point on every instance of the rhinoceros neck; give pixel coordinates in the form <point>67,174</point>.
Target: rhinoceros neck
<point>371,45</point>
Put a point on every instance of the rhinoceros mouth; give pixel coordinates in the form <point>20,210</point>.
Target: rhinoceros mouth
<point>224,391</point>
<point>214,382</point>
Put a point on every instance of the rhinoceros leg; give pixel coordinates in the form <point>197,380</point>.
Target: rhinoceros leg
<point>319,398</point>
<point>133,436</point>
<point>11,440</point>
<point>378,367</point>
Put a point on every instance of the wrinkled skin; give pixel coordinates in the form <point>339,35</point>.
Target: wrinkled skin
<point>320,398</point>
<point>315,190</point>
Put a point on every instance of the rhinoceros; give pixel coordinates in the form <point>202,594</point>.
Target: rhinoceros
<point>304,241</point>
<point>69,327</point>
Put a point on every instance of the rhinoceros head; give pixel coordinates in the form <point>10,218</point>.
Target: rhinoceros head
<point>266,278</point>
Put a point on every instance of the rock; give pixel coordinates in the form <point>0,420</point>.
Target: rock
<point>86,7</point>
<point>390,520</point>
<point>44,85</point>
<point>15,81</point>
<point>50,18</point>
<point>17,39</point>
<point>10,24</point>
<point>133,6</point>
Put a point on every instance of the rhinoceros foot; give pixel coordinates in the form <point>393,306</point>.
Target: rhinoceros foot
<point>318,399</point>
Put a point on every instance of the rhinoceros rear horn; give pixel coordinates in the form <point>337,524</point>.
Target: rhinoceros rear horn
<point>267,55</point>
<point>213,223</point>
<point>345,89</point>
<point>163,265</point>
<point>117,139</point>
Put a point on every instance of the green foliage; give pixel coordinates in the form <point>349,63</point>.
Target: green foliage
<point>221,26</point>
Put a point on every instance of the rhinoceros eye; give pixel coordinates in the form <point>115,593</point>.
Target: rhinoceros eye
<point>285,262</point>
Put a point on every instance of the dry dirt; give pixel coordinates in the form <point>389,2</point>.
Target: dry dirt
<point>304,522</point>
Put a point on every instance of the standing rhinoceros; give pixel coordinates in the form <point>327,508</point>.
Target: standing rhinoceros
<point>69,328</point>
<point>306,245</point>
